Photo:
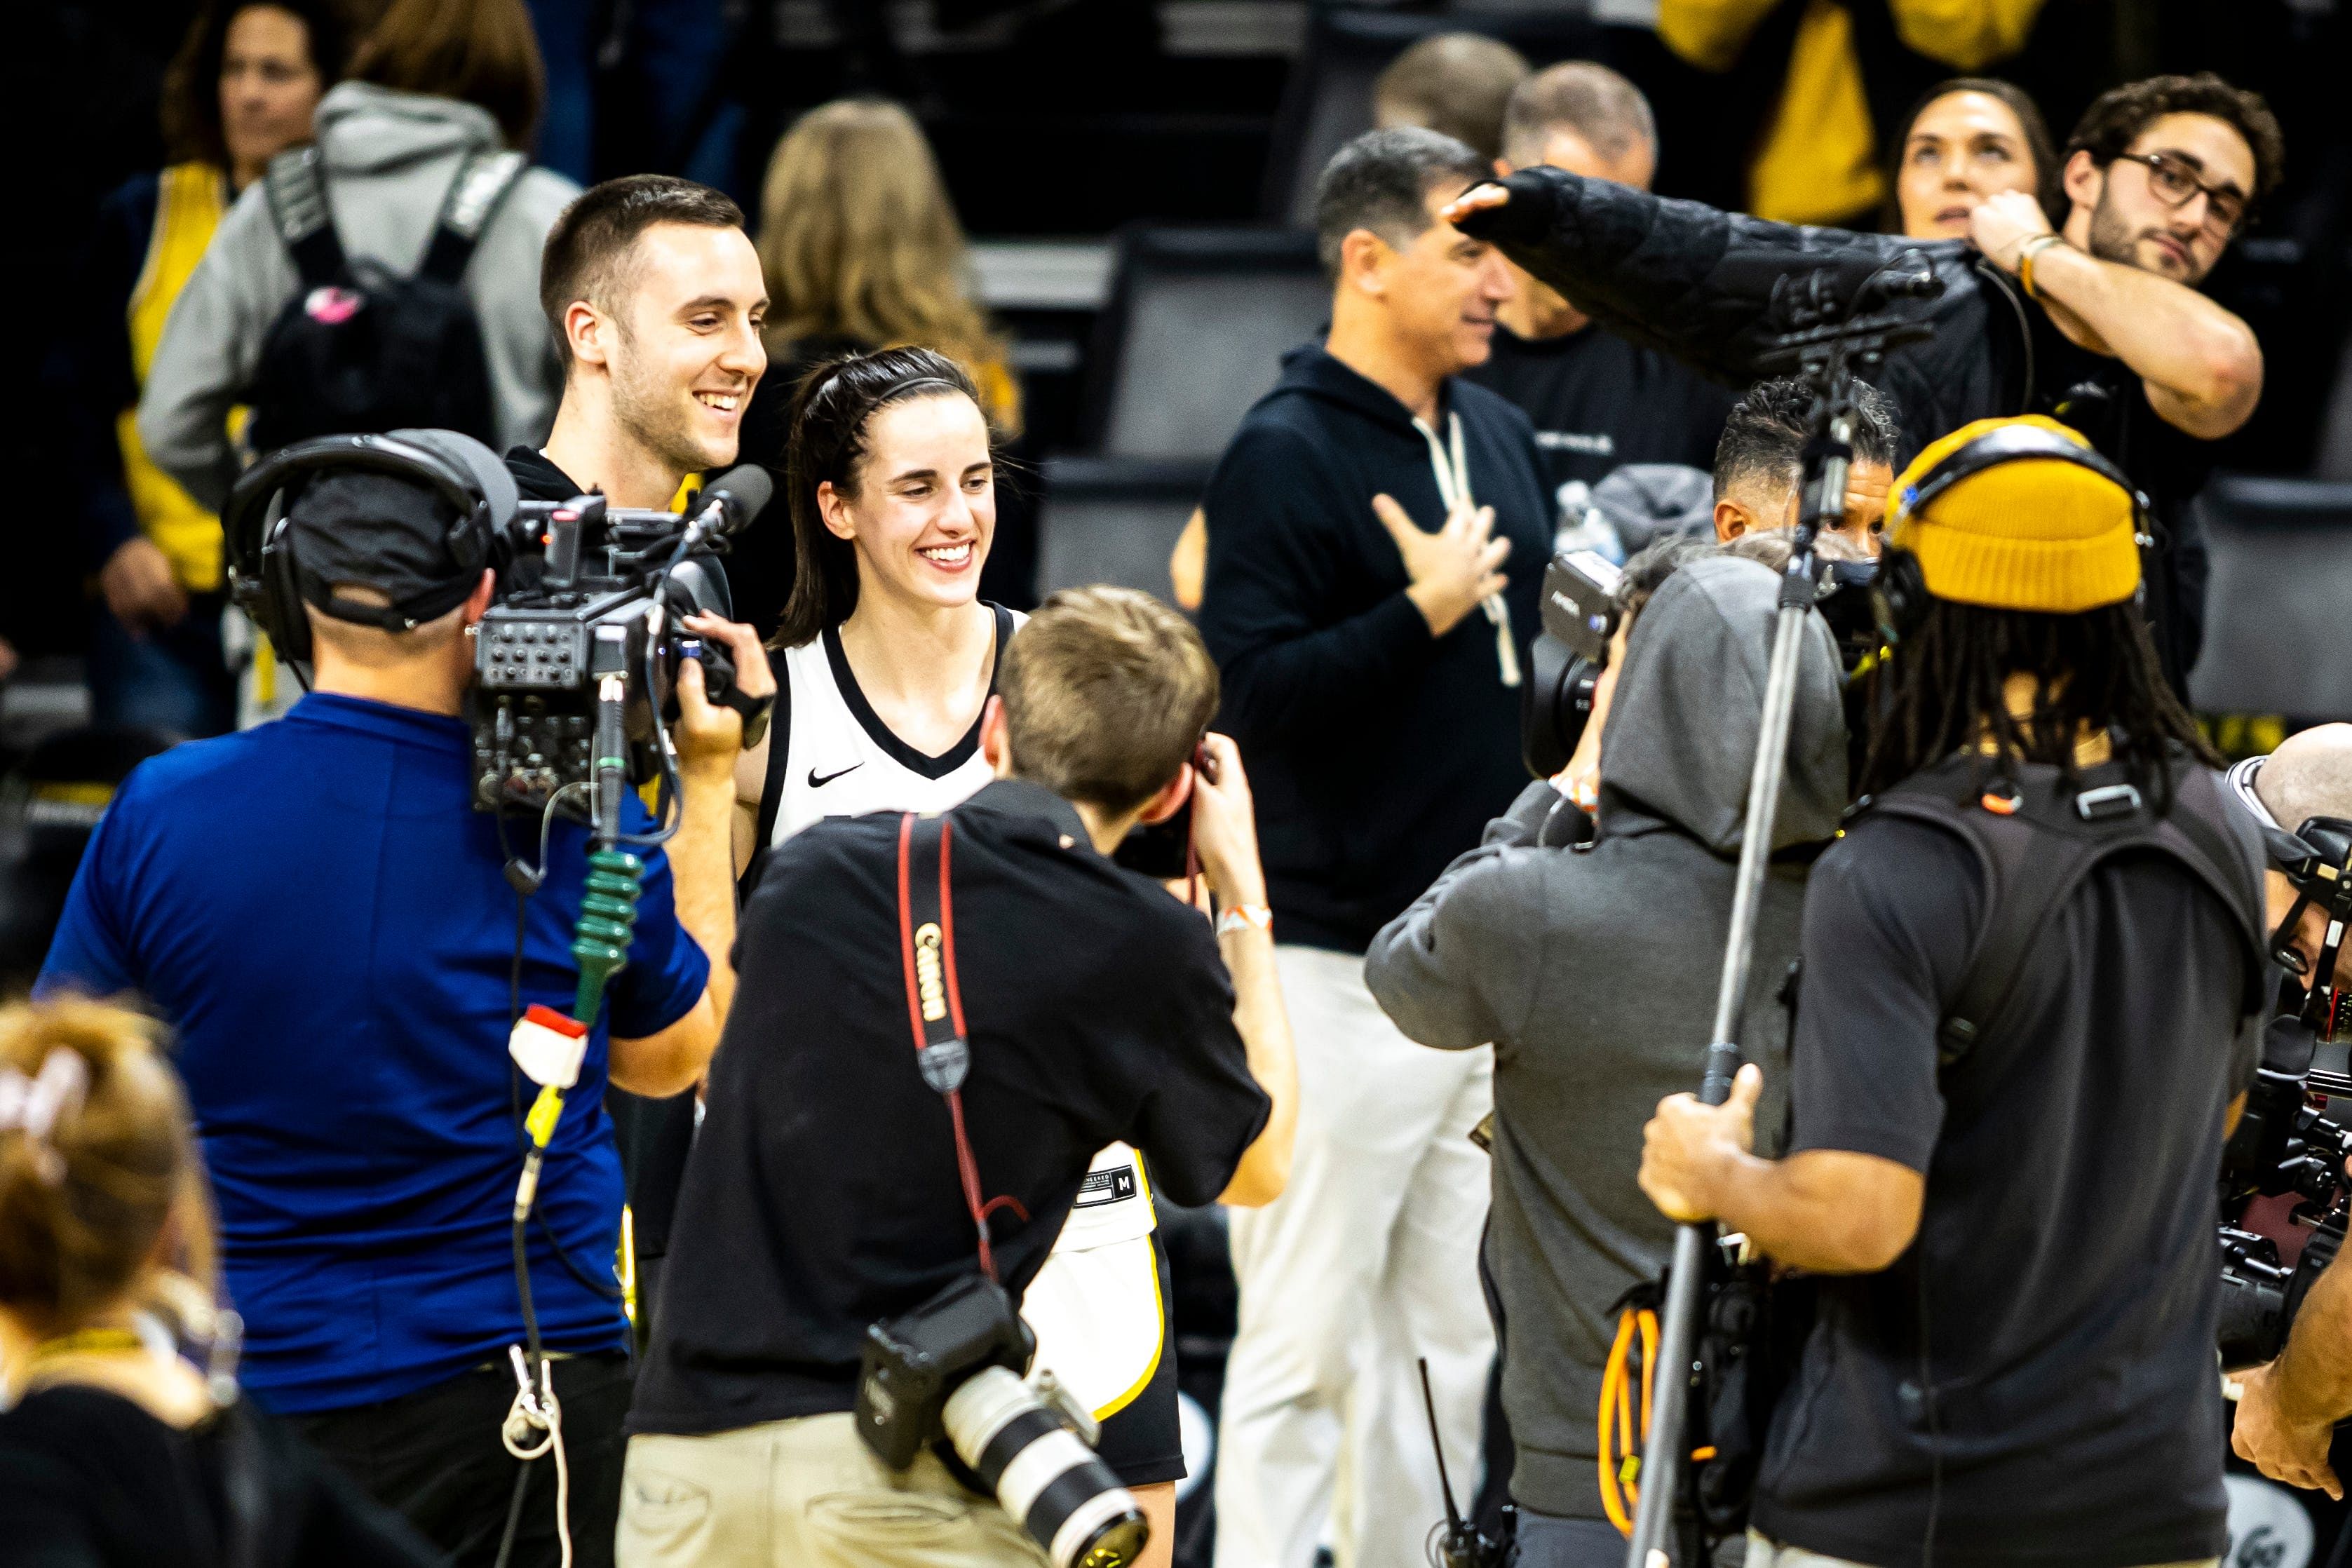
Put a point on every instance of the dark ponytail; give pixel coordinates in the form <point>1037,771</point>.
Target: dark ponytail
<point>832,409</point>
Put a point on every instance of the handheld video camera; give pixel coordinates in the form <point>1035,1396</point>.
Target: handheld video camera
<point>587,595</point>
<point>954,1369</point>
<point>2286,1141</point>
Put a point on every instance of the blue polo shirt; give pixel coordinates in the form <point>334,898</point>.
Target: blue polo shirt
<point>320,915</point>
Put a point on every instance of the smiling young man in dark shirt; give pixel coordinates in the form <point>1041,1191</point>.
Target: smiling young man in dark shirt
<point>1598,402</point>
<point>823,1194</point>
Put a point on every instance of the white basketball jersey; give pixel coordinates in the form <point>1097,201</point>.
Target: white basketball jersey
<point>845,762</point>
<point>1094,1306</point>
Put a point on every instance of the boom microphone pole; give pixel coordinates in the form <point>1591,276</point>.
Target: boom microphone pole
<point>1827,352</point>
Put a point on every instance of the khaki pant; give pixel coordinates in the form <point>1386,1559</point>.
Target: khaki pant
<point>1763,1553</point>
<point>806,1493</point>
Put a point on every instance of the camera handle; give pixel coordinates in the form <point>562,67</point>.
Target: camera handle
<point>1827,356</point>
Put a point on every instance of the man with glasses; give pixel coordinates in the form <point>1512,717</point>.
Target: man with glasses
<point>2098,322</point>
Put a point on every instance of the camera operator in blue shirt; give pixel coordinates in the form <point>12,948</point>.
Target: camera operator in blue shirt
<point>334,931</point>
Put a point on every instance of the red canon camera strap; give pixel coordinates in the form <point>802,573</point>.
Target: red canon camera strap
<point>935,1000</point>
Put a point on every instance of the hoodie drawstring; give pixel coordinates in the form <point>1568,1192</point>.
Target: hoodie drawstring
<point>1453,471</point>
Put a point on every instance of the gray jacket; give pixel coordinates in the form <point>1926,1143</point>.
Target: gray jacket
<point>1593,971</point>
<point>389,157</point>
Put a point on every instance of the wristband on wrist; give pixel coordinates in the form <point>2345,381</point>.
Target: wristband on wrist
<point>1245,917</point>
<point>2025,254</point>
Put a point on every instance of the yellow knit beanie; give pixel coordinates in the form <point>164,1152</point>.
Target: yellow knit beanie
<point>2028,534</point>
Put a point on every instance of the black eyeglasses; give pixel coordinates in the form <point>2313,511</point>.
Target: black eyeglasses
<point>2175,181</point>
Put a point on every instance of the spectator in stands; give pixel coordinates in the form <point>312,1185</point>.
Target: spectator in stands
<point>1597,401</point>
<point>1377,535</point>
<point>2100,322</point>
<point>434,84</point>
<point>1453,83</point>
<point>1759,465</point>
<point>862,250</point>
<point>1966,139</point>
<point>1844,74</point>
<point>241,91</point>
<point>115,1451</point>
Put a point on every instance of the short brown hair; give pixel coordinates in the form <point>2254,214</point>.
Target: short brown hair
<point>1107,691</point>
<point>1590,100</point>
<point>1453,83</point>
<point>481,52</point>
<point>2117,116</point>
<point>190,105</point>
<point>582,255</point>
<point>83,1205</point>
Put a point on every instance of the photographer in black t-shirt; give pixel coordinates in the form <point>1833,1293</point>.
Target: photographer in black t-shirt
<point>2002,1156</point>
<point>823,1192</point>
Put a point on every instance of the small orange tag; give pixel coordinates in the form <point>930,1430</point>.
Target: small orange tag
<point>1999,805</point>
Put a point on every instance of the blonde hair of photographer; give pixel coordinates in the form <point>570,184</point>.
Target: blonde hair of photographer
<point>859,241</point>
<point>104,1215</point>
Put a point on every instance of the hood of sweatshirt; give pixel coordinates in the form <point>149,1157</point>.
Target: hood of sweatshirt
<point>1311,369</point>
<point>1681,741</point>
<point>367,129</point>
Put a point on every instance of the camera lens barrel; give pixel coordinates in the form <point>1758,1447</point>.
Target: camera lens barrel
<point>1043,1474</point>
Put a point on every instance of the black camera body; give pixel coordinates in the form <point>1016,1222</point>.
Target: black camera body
<point>1580,615</point>
<point>910,1364</point>
<point>2284,1143</point>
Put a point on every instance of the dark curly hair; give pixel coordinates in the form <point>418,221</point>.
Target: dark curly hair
<point>2117,116</point>
<point>832,410</point>
<point>191,96</point>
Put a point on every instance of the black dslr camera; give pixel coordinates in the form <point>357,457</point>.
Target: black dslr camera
<point>953,1369</point>
<point>587,595</point>
<point>2286,1141</point>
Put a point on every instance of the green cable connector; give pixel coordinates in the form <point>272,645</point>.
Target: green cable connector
<point>608,919</point>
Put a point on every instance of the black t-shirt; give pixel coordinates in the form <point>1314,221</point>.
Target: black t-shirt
<point>823,1197</point>
<point>88,1479</point>
<point>2062,1292</point>
<point>2104,399</point>
<point>1598,403</point>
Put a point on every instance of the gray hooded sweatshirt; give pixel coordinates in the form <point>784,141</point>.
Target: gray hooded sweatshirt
<point>390,158</point>
<point>1594,971</point>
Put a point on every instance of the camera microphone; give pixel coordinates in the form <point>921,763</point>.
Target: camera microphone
<point>731,501</point>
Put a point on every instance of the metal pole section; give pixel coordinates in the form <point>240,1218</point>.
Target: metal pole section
<point>1662,1457</point>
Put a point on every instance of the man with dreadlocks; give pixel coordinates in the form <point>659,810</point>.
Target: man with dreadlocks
<point>2025,968</point>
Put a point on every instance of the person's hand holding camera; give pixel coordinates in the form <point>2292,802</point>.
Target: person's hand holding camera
<point>1450,570</point>
<point>2283,1443</point>
<point>1224,824</point>
<point>710,734</point>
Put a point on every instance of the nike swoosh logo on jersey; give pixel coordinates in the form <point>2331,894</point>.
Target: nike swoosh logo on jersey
<point>819,782</point>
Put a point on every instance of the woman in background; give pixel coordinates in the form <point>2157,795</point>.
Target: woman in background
<point>1969,139</point>
<point>115,1451</point>
<point>862,250</point>
<point>241,90</point>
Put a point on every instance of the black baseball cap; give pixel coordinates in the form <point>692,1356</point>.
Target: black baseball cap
<point>393,534</point>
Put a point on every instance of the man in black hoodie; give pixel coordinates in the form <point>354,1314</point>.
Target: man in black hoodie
<point>1377,534</point>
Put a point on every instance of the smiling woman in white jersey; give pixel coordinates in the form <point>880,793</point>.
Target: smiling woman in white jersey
<point>886,657</point>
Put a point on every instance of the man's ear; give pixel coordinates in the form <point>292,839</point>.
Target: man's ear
<point>1171,796</point>
<point>477,602</point>
<point>1362,256</point>
<point>588,332</point>
<point>995,738</point>
<point>1731,520</point>
<point>2083,181</point>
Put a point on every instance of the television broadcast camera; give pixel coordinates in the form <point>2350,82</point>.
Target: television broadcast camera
<point>588,596</point>
<point>2286,1141</point>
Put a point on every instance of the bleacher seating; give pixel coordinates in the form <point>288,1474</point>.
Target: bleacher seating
<point>2280,602</point>
<point>1113,520</point>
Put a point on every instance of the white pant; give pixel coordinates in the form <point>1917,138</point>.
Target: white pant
<point>1367,1262</point>
<point>1765,1553</point>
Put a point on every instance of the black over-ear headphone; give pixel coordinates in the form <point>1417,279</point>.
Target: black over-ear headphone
<point>1899,592</point>
<point>262,579</point>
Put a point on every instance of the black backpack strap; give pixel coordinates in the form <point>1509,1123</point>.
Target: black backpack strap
<point>481,185</point>
<point>2032,874</point>
<point>296,189</point>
